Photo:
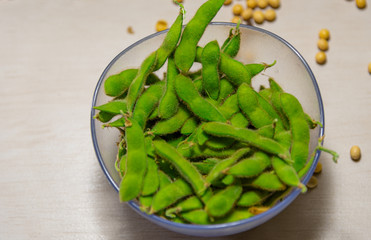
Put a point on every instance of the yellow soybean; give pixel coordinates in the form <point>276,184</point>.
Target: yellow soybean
<point>321,58</point>
<point>355,153</point>
<point>258,16</point>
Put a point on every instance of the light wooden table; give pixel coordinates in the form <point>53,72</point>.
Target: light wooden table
<point>51,56</point>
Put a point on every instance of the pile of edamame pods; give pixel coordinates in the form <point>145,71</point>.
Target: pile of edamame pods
<point>204,147</point>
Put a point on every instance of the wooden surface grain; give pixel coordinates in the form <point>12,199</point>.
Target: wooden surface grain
<point>51,56</point>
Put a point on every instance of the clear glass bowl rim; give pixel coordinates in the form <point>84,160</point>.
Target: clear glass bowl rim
<point>275,209</point>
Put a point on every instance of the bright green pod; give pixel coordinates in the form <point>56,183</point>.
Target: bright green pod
<point>218,170</point>
<point>287,174</point>
<point>198,216</point>
<point>230,106</point>
<point>226,89</point>
<point>117,84</point>
<point>234,70</point>
<point>199,85</point>
<point>182,165</point>
<point>122,165</point>
<point>311,122</point>
<point>185,53</point>
<point>235,215</point>
<point>268,181</point>
<point>169,103</point>
<point>172,124</point>
<point>266,93</point>
<point>239,120</point>
<point>189,204</point>
<point>151,180</point>
<point>252,197</point>
<point>146,103</point>
<point>186,91</point>
<point>189,126</point>
<point>150,150</point>
<point>171,40</point>
<point>223,201</point>
<point>210,75</point>
<point>284,138</point>
<point>256,68</point>
<point>277,104</point>
<point>247,136</point>
<point>139,81</point>
<point>249,104</point>
<point>219,143</point>
<point>267,131</point>
<point>104,116</point>
<point>299,130</point>
<point>114,107</point>
<point>169,194</point>
<point>251,166</point>
<point>231,45</point>
<point>274,85</point>
<point>136,162</point>
<point>193,151</point>
<point>118,123</point>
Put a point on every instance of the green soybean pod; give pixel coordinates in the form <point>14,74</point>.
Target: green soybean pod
<point>186,91</point>
<point>228,180</point>
<point>247,136</point>
<point>267,130</point>
<point>219,143</point>
<point>230,106</point>
<point>287,174</point>
<point>189,126</point>
<point>266,93</point>
<point>189,204</point>
<point>145,203</point>
<point>104,116</point>
<point>218,170</point>
<point>147,102</point>
<point>239,120</point>
<point>268,181</point>
<point>251,166</point>
<point>170,194</point>
<point>249,104</point>
<point>151,180</point>
<point>223,201</point>
<point>136,162</point>
<point>226,89</point>
<point>198,216</point>
<point>277,104</point>
<point>172,124</point>
<point>231,45</point>
<point>235,215</point>
<point>117,84</point>
<point>138,82</point>
<point>183,166</point>
<point>234,70</point>
<point>171,40</point>
<point>252,197</point>
<point>185,53</point>
<point>168,105</point>
<point>256,68</point>
<point>299,130</point>
<point>210,75</point>
<point>114,107</point>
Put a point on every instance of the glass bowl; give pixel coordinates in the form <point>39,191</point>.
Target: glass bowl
<point>257,45</point>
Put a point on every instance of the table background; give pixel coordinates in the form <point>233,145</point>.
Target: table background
<point>51,56</point>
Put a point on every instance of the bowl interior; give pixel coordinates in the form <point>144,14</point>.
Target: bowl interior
<point>257,45</point>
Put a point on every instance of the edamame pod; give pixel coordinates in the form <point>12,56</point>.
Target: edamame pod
<point>168,105</point>
<point>114,107</point>
<point>210,75</point>
<point>268,181</point>
<point>138,82</point>
<point>147,102</point>
<point>231,45</point>
<point>198,216</point>
<point>248,136</point>
<point>222,202</point>
<point>250,167</point>
<point>185,53</point>
<point>186,91</point>
<point>189,204</point>
<point>151,180</point>
<point>171,40</point>
<point>299,130</point>
<point>183,166</point>
<point>252,197</point>
<point>172,124</point>
<point>287,174</point>
<point>170,194</point>
<point>136,162</point>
